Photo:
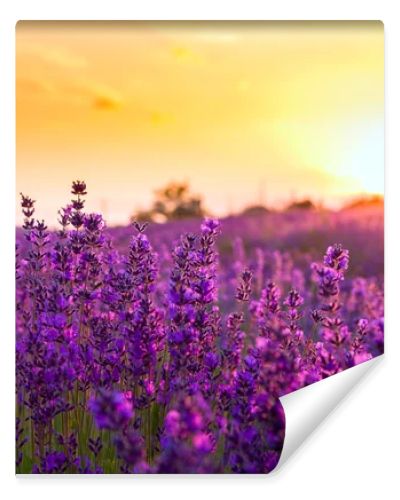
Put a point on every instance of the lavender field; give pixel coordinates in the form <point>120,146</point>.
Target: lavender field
<point>164,348</point>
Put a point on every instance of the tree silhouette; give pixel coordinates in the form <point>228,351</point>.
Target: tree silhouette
<point>173,202</point>
<point>301,205</point>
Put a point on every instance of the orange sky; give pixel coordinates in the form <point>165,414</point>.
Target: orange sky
<point>242,111</point>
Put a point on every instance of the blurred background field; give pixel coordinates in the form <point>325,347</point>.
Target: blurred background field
<point>302,233</point>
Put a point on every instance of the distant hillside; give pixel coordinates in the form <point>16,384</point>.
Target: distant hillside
<point>375,201</point>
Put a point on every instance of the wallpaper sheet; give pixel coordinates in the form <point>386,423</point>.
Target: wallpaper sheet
<point>199,239</point>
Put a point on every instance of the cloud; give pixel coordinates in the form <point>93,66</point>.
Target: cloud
<point>80,92</point>
<point>34,86</point>
<point>98,95</point>
<point>103,97</point>
<point>106,103</point>
<point>60,56</point>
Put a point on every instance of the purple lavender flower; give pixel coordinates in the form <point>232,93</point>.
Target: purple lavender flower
<point>210,226</point>
<point>79,188</point>
<point>243,290</point>
<point>130,448</point>
<point>337,257</point>
<point>187,443</point>
<point>107,322</point>
<point>111,410</point>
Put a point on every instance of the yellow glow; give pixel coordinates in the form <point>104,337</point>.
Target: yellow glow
<point>233,108</point>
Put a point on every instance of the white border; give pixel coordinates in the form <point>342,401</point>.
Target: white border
<point>355,451</point>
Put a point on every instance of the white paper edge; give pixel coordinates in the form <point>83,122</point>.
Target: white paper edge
<point>307,408</point>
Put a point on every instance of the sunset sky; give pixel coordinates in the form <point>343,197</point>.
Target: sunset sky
<point>244,112</point>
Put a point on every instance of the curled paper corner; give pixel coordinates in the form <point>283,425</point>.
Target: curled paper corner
<point>307,408</point>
